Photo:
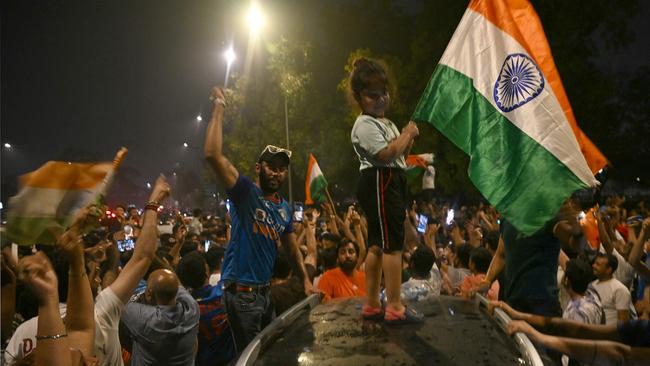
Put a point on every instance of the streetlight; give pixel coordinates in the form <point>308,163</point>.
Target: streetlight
<point>230,57</point>
<point>254,18</point>
<point>199,118</point>
<point>185,144</point>
<point>7,145</point>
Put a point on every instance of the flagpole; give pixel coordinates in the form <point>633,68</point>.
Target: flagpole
<point>331,200</point>
<point>108,180</point>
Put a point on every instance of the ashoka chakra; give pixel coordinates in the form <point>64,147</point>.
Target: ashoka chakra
<point>519,82</point>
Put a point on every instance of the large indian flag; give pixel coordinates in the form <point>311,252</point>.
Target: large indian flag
<point>497,95</point>
<point>315,184</point>
<point>50,196</point>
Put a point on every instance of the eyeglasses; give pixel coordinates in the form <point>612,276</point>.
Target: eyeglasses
<point>275,150</point>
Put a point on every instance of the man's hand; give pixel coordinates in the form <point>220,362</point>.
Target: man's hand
<point>309,288</point>
<point>512,313</point>
<point>160,191</point>
<point>37,273</point>
<point>217,94</point>
<point>520,326</point>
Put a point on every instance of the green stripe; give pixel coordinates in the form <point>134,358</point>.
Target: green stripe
<point>34,230</point>
<point>317,188</point>
<point>522,179</point>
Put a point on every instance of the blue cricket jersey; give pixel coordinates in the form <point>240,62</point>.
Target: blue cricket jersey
<point>257,226</point>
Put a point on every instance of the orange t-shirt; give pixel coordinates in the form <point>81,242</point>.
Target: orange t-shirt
<point>335,283</point>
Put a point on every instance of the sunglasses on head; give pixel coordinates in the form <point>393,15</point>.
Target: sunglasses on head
<point>274,150</point>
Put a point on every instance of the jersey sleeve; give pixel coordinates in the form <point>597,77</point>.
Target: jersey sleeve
<point>241,188</point>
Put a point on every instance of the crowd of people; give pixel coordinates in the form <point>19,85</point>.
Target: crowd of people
<point>129,286</point>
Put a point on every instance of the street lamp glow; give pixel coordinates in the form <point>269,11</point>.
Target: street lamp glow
<point>148,185</point>
<point>185,144</point>
<point>254,18</point>
<point>199,118</point>
<point>230,55</point>
<point>7,145</point>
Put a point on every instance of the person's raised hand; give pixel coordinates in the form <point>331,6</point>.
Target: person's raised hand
<point>37,273</point>
<point>160,191</point>
<point>218,94</point>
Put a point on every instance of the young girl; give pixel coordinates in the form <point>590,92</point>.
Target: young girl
<point>381,149</point>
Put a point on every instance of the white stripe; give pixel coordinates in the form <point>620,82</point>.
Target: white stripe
<point>315,172</point>
<point>381,223</point>
<point>49,202</point>
<point>478,49</point>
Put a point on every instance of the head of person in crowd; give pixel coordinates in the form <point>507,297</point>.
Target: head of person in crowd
<point>214,257</point>
<point>421,262</point>
<point>604,266</point>
<point>197,213</point>
<point>368,86</point>
<point>281,267</point>
<point>461,255</point>
<point>330,240</point>
<point>120,212</point>
<point>272,168</point>
<point>179,231</point>
<point>479,260</point>
<point>578,276</point>
<point>327,259</point>
<point>162,287</point>
<point>193,271</point>
<point>347,255</point>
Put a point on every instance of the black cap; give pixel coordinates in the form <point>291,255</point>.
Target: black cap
<point>271,151</point>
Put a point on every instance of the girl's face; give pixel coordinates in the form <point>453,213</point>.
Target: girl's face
<point>374,99</point>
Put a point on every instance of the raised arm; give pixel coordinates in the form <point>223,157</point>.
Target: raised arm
<point>637,251</point>
<point>53,346</point>
<point>145,246</point>
<point>400,146</point>
<point>291,247</point>
<point>496,266</point>
<point>213,147</point>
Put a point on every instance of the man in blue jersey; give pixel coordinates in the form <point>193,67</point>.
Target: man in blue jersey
<point>261,220</point>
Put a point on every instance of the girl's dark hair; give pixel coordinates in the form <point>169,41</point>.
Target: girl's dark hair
<point>363,70</point>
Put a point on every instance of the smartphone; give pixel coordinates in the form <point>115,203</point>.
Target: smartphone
<point>450,216</point>
<point>423,220</point>
<point>125,245</point>
<point>206,244</point>
<point>228,205</point>
<point>298,211</point>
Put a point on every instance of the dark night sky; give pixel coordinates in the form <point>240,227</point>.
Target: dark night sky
<point>95,76</point>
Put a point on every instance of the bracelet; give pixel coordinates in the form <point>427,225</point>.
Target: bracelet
<point>56,336</point>
<point>152,205</point>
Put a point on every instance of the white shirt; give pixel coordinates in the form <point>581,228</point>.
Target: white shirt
<point>614,296</point>
<point>214,279</point>
<point>108,309</point>
<point>624,272</point>
<point>23,341</point>
<point>369,136</point>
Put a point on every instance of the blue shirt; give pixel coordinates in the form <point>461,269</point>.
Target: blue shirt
<point>216,345</point>
<point>258,224</point>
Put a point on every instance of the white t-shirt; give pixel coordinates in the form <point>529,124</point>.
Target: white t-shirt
<point>614,296</point>
<point>369,136</point>
<point>23,341</point>
<point>108,309</point>
<point>214,279</point>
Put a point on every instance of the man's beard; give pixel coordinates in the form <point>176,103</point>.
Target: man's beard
<point>265,184</point>
<point>347,266</point>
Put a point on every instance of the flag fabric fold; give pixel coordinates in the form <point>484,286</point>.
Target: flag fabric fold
<point>497,95</point>
<point>315,184</point>
<point>49,197</point>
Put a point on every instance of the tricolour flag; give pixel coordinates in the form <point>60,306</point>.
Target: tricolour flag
<point>315,184</point>
<point>497,95</point>
<point>50,196</point>
<point>417,164</point>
